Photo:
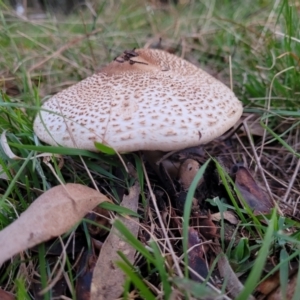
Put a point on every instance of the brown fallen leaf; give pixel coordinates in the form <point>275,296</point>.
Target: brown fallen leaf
<point>58,289</point>
<point>290,290</point>
<point>253,123</point>
<point>165,169</point>
<point>207,228</point>
<point>227,215</point>
<point>6,295</point>
<point>271,283</point>
<point>3,175</point>
<point>251,192</point>
<point>108,279</point>
<point>9,85</point>
<point>101,217</point>
<point>157,158</point>
<point>196,256</point>
<point>191,152</point>
<point>6,148</point>
<point>234,286</point>
<point>85,270</point>
<point>50,215</point>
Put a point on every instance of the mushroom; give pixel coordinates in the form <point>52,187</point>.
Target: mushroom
<point>145,99</point>
<point>187,171</point>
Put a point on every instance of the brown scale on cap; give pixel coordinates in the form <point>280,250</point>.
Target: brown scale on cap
<point>144,100</point>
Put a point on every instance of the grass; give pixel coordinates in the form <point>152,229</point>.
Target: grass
<point>252,46</point>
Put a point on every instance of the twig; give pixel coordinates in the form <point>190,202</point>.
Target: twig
<point>161,222</point>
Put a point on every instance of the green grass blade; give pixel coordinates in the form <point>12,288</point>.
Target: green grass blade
<point>260,261</point>
<point>187,212</point>
<point>119,209</point>
<point>136,280</point>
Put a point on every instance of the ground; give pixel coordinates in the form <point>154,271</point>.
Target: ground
<point>250,174</point>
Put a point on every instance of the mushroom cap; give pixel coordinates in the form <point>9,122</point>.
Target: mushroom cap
<point>145,99</point>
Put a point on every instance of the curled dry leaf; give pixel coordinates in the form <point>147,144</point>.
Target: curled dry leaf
<point>6,147</point>
<point>85,271</point>
<point>253,123</point>
<point>207,228</point>
<point>101,217</point>
<point>9,85</point>
<point>3,175</point>
<point>6,295</point>
<point>167,170</point>
<point>251,192</point>
<point>196,256</point>
<point>234,286</point>
<point>8,152</point>
<point>108,279</point>
<point>272,284</point>
<point>50,215</point>
<point>47,157</point>
<point>269,284</point>
<point>290,290</point>
<point>191,152</point>
<point>227,215</point>
<point>171,167</point>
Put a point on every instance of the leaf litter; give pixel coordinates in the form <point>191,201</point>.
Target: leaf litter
<point>279,166</point>
<point>100,269</point>
<point>108,279</point>
<point>50,215</point>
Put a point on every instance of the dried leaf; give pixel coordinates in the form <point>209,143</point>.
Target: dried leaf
<point>7,150</point>
<point>196,256</point>
<point>84,275</point>
<point>108,279</point>
<point>234,286</point>
<point>269,284</point>
<point>167,177</point>
<point>47,157</point>
<point>6,295</point>
<point>50,215</point>
<point>191,152</point>
<point>227,215</point>
<point>3,175</point>
<point>251,192</point>
<point>9,86</point>
<point>101,217</point>
<point>253,124</point>
<point>272,282</point>
<point>58,289</point>
<point>166,169</point>
<point>207,228</point>
<point>6,147</point>
<point>290,290</point>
